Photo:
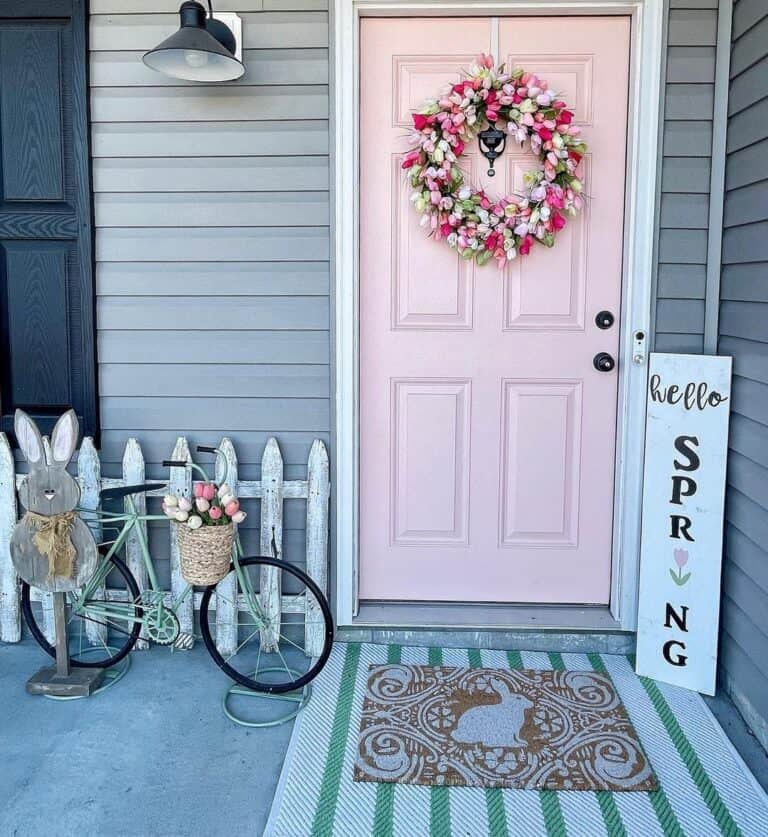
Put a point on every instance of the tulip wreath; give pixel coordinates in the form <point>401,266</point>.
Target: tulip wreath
<point>477,226</point>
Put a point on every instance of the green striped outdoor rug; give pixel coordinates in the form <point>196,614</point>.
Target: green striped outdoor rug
<point>705,788</point>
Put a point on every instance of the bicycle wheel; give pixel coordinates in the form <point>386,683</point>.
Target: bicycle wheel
<point>115,623</point>
<point>253,663</point>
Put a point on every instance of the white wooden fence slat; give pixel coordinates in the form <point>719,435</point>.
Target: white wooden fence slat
<point>290,604</point>
<point>89,477</point>
<point>271,489</point>
<point>49,627</point>
<point>134,474</point>
<point>271,528</point>
<point>250,489</point>
<point>181,486</point>
<point>318,489</point>
<point>226,589</point>
<point>10,614</point>
<point>292,489</point>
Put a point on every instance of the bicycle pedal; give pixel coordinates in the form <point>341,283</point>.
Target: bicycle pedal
<point>184,642</point>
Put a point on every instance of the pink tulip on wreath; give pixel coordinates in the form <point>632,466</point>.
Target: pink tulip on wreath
<point>209,491</point>
<point>215,512</point>
<point>197,489</point>
<point>232,507</point>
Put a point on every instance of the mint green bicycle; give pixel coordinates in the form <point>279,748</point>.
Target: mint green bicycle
<point>107,616</point>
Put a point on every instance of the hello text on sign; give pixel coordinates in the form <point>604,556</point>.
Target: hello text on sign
<point>683,495</point>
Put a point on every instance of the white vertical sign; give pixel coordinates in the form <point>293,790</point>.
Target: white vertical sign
<point>686,445</point>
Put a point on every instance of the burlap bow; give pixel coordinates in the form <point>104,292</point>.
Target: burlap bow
<point>53,538</point>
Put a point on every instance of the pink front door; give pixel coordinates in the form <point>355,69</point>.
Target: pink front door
<point>487,437</point>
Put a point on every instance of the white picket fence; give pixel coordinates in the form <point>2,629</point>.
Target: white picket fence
<point>272,490</point>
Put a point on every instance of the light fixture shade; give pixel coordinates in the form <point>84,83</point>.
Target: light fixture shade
<point>193,53</point>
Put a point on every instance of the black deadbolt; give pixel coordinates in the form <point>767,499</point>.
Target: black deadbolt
<point>603,362</point>
<point>604,319</point>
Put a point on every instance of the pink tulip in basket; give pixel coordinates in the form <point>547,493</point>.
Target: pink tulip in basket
<point>205,531</point>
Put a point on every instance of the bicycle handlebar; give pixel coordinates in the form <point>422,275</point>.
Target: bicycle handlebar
<point>180,463</point>
<point>221,463</point>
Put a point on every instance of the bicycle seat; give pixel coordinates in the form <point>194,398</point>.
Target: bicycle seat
<point>125,490</point>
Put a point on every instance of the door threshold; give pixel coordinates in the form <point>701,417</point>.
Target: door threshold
<point>485,617</point>
<point>566,628</point>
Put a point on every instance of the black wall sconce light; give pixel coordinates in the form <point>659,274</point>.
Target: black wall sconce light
<point>492,143</point>
<point>204,49</point>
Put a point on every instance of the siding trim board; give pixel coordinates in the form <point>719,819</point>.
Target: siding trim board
<point>691,178</point>
<point>717,178</point>
<point>686,104</point>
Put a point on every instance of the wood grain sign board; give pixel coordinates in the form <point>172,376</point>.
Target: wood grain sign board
<point>686,446</point>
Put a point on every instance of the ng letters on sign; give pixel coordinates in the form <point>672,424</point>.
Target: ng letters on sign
<point>683,494</point>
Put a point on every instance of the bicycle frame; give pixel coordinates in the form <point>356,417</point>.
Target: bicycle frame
<point>128,520</point>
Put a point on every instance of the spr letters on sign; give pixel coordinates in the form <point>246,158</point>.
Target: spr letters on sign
<point>686,445</point>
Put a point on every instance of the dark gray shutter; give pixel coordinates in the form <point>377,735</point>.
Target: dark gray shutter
<point>47,340</point>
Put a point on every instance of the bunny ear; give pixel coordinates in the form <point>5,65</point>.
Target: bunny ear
<point>28,436</point>
<point>64,438</point>
<point>501,687</point>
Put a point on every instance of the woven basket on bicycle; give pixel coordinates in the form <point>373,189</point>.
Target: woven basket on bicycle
<point>206,553</point>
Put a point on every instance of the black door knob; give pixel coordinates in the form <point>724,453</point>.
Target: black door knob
<point>603,362</point>
<point>604,319</point>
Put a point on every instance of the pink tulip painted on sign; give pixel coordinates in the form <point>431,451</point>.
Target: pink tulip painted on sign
<point>681,559</point>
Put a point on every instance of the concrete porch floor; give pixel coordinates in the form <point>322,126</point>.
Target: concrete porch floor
<point>154,755</point>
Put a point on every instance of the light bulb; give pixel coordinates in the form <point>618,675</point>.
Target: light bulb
<point>195,58</point>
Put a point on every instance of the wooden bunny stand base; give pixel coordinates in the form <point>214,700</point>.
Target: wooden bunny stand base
<point>62,680</point>
<point>51,547</point>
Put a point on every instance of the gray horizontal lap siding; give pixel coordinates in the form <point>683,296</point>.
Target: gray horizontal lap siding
<point>685,176</point>
<point>744,335</point>
<point>212,243</point>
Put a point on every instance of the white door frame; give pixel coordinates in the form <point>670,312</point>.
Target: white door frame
<point>642,153</point>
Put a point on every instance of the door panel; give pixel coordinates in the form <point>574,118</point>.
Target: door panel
<point>487,438</point>
<point>546,290</point>
<point>539,491</point>
<point>31,115</point>
<point>431,290</point>
<point>430,493</point>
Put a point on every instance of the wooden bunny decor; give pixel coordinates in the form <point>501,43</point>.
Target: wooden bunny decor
<point>51,547</point>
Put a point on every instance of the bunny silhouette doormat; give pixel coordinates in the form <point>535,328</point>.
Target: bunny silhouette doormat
<point>556,730</point>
